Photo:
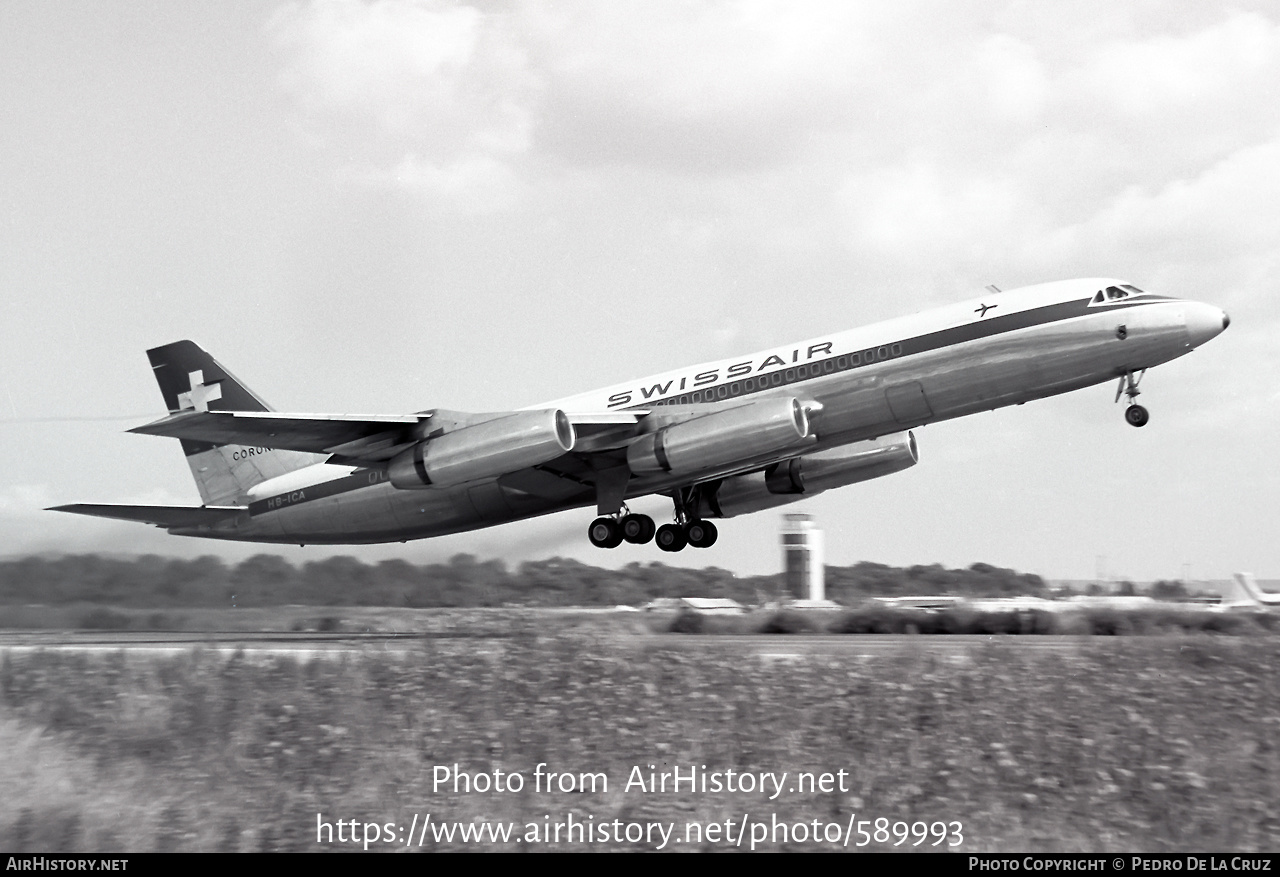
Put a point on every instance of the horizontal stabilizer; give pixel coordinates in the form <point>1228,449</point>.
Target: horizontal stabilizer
<point>160,515</point>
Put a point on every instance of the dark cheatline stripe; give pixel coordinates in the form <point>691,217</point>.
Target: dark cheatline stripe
<point>994,326</point>
<point>895,350</point>
<point>347,483</point>
<point>984,328</point>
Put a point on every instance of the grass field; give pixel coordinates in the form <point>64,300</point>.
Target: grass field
<point>1117,744</point>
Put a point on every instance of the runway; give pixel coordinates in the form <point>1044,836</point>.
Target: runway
<point>310,644</point>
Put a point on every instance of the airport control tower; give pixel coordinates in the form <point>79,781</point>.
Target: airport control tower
<point>802,558</point>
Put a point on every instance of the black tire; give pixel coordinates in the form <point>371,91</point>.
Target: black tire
<point>702,534</point>
<point>670,537</point>
<point>638,529</point>
<point>1136,415</point>
<point>605,533</point>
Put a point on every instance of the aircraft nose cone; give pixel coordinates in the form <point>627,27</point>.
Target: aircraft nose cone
<point>1204,323</point>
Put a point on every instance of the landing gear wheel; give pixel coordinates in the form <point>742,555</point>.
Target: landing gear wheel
<point>638,529</point>
<point>702,534</point>
<point>605,533</point>
<point>1136,415</point>
<point>671,537</point>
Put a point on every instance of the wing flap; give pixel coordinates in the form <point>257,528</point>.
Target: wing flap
<point>605,430</point>
<point>159,515</point>
<point>605,419</point>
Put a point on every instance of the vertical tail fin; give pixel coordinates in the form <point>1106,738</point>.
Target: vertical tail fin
<point>1250,584</point>
<point>191,379</point>
<point>1244,591</point>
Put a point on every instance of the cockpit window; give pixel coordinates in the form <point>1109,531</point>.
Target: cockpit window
<point>1115,293</point>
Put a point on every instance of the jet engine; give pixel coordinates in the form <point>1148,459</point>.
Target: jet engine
<point>808,475</point>
<point>718,439</point>
<point>484,450</point>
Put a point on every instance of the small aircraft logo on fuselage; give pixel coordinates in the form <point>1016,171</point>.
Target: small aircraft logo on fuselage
<point>981,310</point>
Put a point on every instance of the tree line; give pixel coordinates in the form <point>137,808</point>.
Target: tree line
<point>270,580</point>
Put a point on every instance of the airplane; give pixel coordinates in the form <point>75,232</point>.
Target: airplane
<point>721,439</point>
<point>1244,593</point>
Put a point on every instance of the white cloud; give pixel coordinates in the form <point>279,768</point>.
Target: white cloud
<point>686,60</point>
<point>475,184</point>
<point>704,86</point>
<point>1230,210</point>
<point>1013,76</point>
<point>1149,76</point>
<point>23,498</point>
<point>443,88</point>
<point>439,73</point>
<point>923,208</point>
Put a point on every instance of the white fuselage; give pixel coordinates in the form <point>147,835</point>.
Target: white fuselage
<point>1005,348</point>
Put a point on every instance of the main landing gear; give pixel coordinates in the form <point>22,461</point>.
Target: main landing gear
<point>1135,414</point>
<point>640,529</point>
<point>612,531</point>
<point>699,534</point>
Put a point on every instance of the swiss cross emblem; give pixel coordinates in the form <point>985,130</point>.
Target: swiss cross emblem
<point>201,393</point>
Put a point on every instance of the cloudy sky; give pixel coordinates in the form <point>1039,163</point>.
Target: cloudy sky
<point>388,206</point>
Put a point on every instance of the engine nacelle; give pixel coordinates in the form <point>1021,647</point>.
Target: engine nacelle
<point>809,475</point>
<point>484,450</point>
<point>721,438</point>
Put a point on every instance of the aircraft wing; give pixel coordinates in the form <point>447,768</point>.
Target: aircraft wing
<point>354,439</point>
<point>160,515</point>
<point>365,438</point>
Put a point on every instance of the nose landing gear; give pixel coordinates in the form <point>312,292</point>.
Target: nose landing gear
<point>1135,414</point>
